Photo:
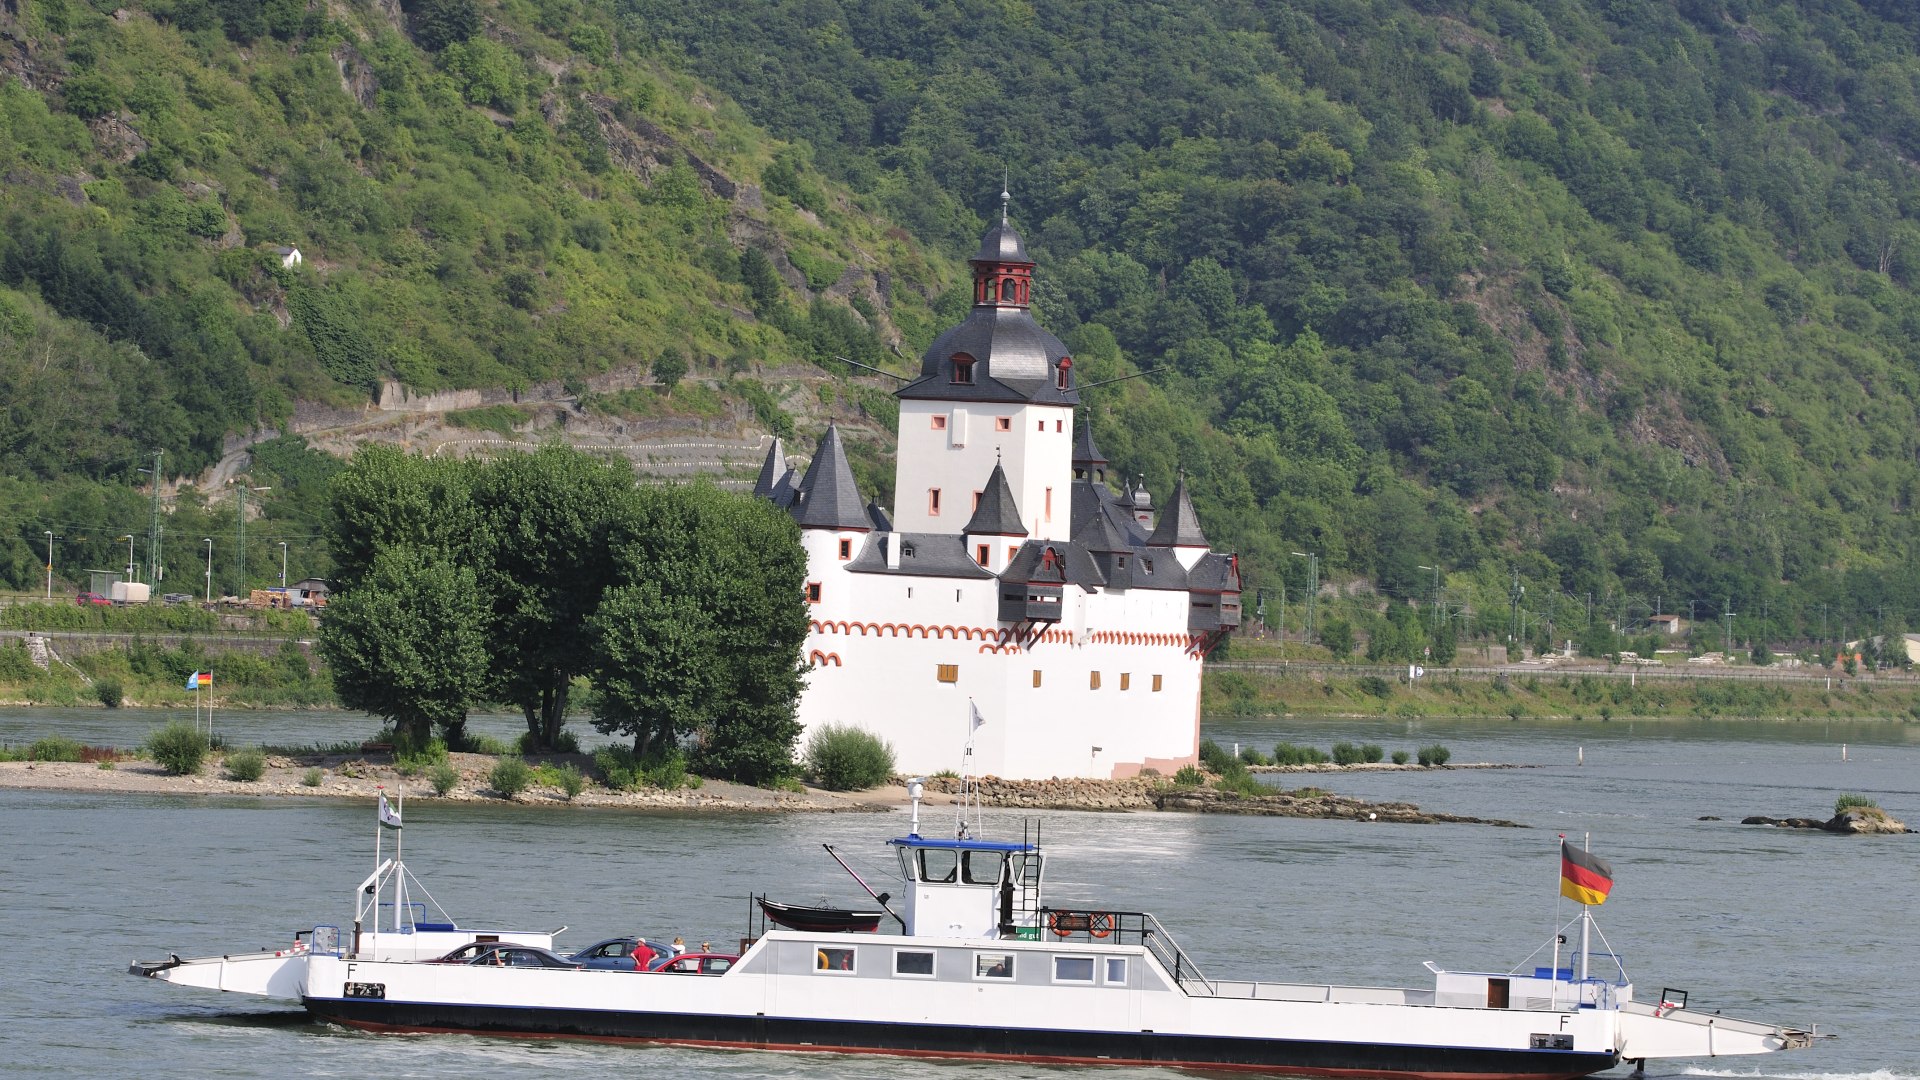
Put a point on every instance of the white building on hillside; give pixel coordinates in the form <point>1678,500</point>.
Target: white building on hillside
<point>1010,578</point>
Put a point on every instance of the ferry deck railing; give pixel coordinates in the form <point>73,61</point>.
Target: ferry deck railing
<point>1127,928</point>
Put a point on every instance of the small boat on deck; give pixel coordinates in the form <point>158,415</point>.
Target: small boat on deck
<point>820,920</point>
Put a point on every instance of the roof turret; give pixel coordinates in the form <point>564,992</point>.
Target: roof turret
<point>996,515</point>
<point>1179,526</point>
<point>828,498</point>
<point>1088,462</point>
<point>773,483</point>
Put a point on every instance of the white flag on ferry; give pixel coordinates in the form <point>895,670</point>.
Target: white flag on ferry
<point>389,817</point>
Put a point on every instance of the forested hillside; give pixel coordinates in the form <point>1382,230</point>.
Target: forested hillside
<point>1615,296</point>
<point>1614,293</point>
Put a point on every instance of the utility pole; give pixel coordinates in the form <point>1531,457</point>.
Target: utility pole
<point>1727,647</point>
<point>50,539</point>
<point>1513,609</point>
<point>153,522</point>
<point>1433,621</point>
<point>1313,588</point>
<point>240,555</point>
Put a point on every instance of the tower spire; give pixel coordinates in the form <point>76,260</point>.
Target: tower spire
<point>1005,174</point>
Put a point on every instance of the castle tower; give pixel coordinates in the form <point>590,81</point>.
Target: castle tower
<point>997,389</point>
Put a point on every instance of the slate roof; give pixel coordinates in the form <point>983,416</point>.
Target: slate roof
<point>772,483</point>
<point>996,515</point>
<point>1179,526</point>
<point>881,522</point>
<point>1086,455</point>
<point>922,554</point>
<point>828,497</point>
<point>1002,245</point>
<point>1014,360</point>
<point>1073,565</point>
<point>1215,573</point>
<point>1090,498</point>
<point>1156,569</point>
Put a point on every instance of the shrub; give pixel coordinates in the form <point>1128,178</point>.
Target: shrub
<point>1215,757</point>
<point>247,765</point>
<point>1851,802</point>
<point>847,758</point>
<point>413,763</point>
<point>178,748</point>
<point>1434,755</point>
<point>55,748</point>
<point>621,771</point>
<point>1289,754</point>
<point>312,777</point>
<point>443,776</point>
<point>1400,757</point>
<point>480,743</point>
<point>571,782</point>
<point>564,743</point>
<point>1189,776</point>
<point>1241,782</point>
<point>510,776</point>
<point>1252,756</point>
<point>109,691</point>
<point>1345,753</point>
<point>105,763</point>
<point>1371,753</point>
<point>1375,685</point>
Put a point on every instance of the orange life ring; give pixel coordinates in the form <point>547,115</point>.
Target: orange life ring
<point>1100,924</point>
<point>1053,924</point>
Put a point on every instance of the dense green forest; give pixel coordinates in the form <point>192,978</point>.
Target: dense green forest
<point>1606,299</point>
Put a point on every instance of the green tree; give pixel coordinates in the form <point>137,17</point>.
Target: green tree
<point>408,643</point>
<point>670,367</point>
<point>1337,636</point>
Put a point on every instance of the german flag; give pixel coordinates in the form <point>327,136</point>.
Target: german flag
<point>1584,876</point>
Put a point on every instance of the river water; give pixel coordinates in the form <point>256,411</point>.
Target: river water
<point>1777,925</point>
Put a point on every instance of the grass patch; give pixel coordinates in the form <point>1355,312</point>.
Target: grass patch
<point>499,419</point>
<point>1854,802</point>
<point>55,748</point>
<point>312,777</point>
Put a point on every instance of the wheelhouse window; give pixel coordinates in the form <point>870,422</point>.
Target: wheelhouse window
<point>913,965</point>
<point>963,370</point>
<point>993,965</point>
<point>941,866</point>
<point>1073,969</point>
<point>982,867</point>
<point>831,958</point>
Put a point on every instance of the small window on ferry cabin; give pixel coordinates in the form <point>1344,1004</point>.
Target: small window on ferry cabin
<point>982,867</point>
<point>1116,971</point>
<point>1073,969</point>
<point>939,865</point>
<point>830,958</point>
<point>993,965</point>
<point>913,965</point>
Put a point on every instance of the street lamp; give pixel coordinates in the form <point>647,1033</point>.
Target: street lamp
<point>283,566</point>
<point>50,539</point>
<point>1313,588</point>
<point>209,541</point>
<point>129,540</point>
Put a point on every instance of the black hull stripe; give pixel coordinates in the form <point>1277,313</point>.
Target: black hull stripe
<point>1282,1057</point>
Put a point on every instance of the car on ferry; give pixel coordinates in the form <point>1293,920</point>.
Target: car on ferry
<point>522,956</point>
<point>616,954</point>
<point>696,964</point>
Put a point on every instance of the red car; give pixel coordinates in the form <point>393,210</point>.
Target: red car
<point>86,598</point>
<point>698,963</point>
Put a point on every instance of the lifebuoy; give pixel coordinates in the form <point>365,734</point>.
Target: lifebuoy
<point>1100,924</point>
<point>1053,924</point>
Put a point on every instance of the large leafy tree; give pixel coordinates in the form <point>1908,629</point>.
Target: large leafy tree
<point>701,641</point>
<point>387,498</point>
<point>545,517</point>
<point>408,643</point>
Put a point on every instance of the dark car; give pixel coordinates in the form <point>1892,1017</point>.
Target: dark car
<point>466,954</point>
<point>86,598</point>
<point>613,954</point>
<point>696,963</point>
<point>177,598</point>
<point>523,956</point>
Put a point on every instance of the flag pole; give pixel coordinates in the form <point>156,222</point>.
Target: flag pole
<point>1555,1002</point>
<point>1586,925</point>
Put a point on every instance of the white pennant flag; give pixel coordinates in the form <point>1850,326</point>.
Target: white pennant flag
<point>389,817</point>
<point>977,718</point>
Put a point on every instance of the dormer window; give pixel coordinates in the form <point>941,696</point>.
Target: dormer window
<point>963,370</point>
<point>1063,375</point>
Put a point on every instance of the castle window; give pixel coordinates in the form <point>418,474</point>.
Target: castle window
<point>1126,681</point>
<point>1036,678</point>
<point>1063,374</point>
<point>1040,425</point>
<point>1156,684</point>
<point>1003,423</point>
<point>1012,550</point>
<point>1059,426</point>
<point>1049,504</point>
<point>933,502</point>
<point>813,592</point>
<point>1009,292</point>
<point>846,549</point>
<point>947,673</point>
<point>939,423</point>
<point>980,554</point>
<point>1093,680</point>
<point>963,370</point>
<point>976,500</point>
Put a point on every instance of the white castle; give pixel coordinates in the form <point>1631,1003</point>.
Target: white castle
<point>1014,603</point>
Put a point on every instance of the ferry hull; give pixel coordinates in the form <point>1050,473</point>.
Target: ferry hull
<point>1284,1057</point>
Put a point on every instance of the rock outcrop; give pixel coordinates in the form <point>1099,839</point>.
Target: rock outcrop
<point>1211,801</point>
<point>1859,821</point>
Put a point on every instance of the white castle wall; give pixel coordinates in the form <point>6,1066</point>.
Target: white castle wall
<point>879,642</point>
<point>1036,450</point>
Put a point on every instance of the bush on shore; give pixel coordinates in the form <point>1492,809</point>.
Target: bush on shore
<point>510,776</point>
<point>178,748</point>
<point>55,748</point>
<point>247,765</point>
<point>1434,755</point>
<point>443,776</point>
<point>847,758</point>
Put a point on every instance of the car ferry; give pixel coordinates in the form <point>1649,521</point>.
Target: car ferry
<point>977,965</point>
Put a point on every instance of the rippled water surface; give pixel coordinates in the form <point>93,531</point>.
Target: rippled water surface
<point>1790,926</point>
